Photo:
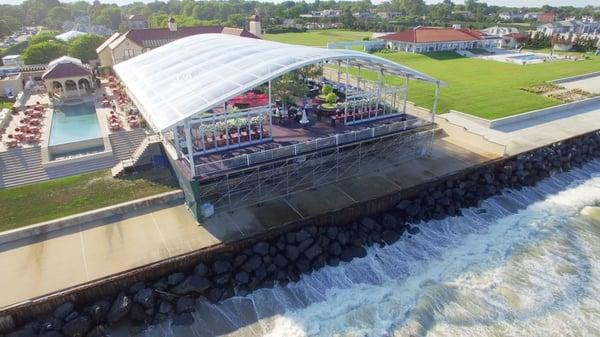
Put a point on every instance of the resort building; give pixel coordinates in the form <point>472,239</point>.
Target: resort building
<point>121,47</point>
<point>235,137</point>
<point>430,39</point>
<point>509,37</point>
<point>67,77</point>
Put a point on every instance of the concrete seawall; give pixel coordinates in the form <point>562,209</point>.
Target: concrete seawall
<point>477,182</point>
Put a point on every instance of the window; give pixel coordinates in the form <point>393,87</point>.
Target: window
<point>129,53</point>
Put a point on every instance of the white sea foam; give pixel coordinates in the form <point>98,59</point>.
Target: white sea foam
<point>529,265</point>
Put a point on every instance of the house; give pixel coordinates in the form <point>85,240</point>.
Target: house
<point>464,14</point>
<point>11,60</point>
<point>513,40</point>
<point>574,27</point>
<point>530,16</point>
<point>546,17</point>
<point>136,21</point>
<point>120,47</point>
<point>388,15</point>
<point>508,37</point>
<point>362,15</point>
<point>430,39</point>
<point>508,16</point>
<point>326,13</point>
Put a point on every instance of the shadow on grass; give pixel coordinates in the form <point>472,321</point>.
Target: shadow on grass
<point>443,55</point>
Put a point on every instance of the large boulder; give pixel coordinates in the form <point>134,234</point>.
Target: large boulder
<point>98,311</point>
<point>192,284</point>
<point>242,277</point>
<point>280,260</point>
<point>252,264</point>
<point>175,279</point>
<point>185,304</point>
<point>292,252</point>
<point>261,248</point>
<point>390,237</point>
<point>145,297</point>
<point>302,235</point>
<point>63,310</point>
<point>119,308</point>
<point>313,251</point>
<point>220,267</point>
<point>77,327</point>
<point>201,269</point>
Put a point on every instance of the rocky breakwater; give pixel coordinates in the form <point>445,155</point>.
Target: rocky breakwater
<point>286,257</point>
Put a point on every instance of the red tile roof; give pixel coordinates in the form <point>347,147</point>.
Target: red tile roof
<point>434,34</point>
<point>62,70</point>
<point>142,36</point>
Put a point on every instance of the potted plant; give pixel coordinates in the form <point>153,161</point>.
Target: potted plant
<point>330,103</point>
<point>325,90</point>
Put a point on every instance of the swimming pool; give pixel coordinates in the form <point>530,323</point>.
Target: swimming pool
<point>528,57</point>
<point>73,123</point>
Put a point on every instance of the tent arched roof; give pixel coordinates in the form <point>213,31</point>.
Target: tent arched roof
<point>194,74</point>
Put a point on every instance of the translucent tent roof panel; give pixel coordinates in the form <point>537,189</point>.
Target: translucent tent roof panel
<point>197,73</point>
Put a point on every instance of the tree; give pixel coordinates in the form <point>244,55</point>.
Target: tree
<point>289,86</point>
<point>42,37</point>
<point>108,16</point>
<point>44,52</point>
<point>84,47</point>
<point>57,16</point>
<point>409,7</point>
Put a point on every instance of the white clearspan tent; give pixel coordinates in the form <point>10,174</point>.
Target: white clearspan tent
<point>194,74</point>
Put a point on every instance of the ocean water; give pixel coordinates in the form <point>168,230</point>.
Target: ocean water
<point>525,263</point>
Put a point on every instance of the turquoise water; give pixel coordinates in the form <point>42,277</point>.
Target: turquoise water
<point>530,57</point>
<point>525,263</point>
<point>72,123</point>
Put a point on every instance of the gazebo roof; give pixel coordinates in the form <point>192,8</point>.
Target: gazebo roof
<point>65,66</point>
<point>176,81</point>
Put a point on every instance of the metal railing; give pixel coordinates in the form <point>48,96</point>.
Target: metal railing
<point>300,149</point>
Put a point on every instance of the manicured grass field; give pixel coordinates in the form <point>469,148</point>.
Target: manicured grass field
<point>57,198</point>
<point>483,88</point>
<point>488,89</point>
<point>318,37</point>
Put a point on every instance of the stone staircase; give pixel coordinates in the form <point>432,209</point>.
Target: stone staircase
<point>24,166</point>
<point>134,158</point>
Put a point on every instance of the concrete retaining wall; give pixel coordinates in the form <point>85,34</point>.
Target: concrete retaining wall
<point>576,78</point>
<point>75,220</point>
<point>497,123</point>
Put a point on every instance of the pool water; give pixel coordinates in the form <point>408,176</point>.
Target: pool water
<point>72,123</point>
<point>529,57</point>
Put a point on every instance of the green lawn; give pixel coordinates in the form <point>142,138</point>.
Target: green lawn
<point>4,103</point>
<point>56,198</point>
<point>318,37</point>
<point>483,88</point>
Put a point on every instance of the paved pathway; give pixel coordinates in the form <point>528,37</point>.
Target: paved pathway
<point>523,136</point>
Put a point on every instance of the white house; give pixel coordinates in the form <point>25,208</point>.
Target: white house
<point>430,39</point>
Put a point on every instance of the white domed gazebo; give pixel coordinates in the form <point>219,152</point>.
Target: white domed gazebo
<point>66,77</point>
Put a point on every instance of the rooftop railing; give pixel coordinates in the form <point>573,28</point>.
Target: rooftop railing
<point>246,160</point>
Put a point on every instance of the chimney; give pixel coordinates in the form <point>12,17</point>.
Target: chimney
<point>172,24</point>
<point>254,25</point>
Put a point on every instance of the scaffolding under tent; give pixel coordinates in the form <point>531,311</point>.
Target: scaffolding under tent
<point>236,136</point>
